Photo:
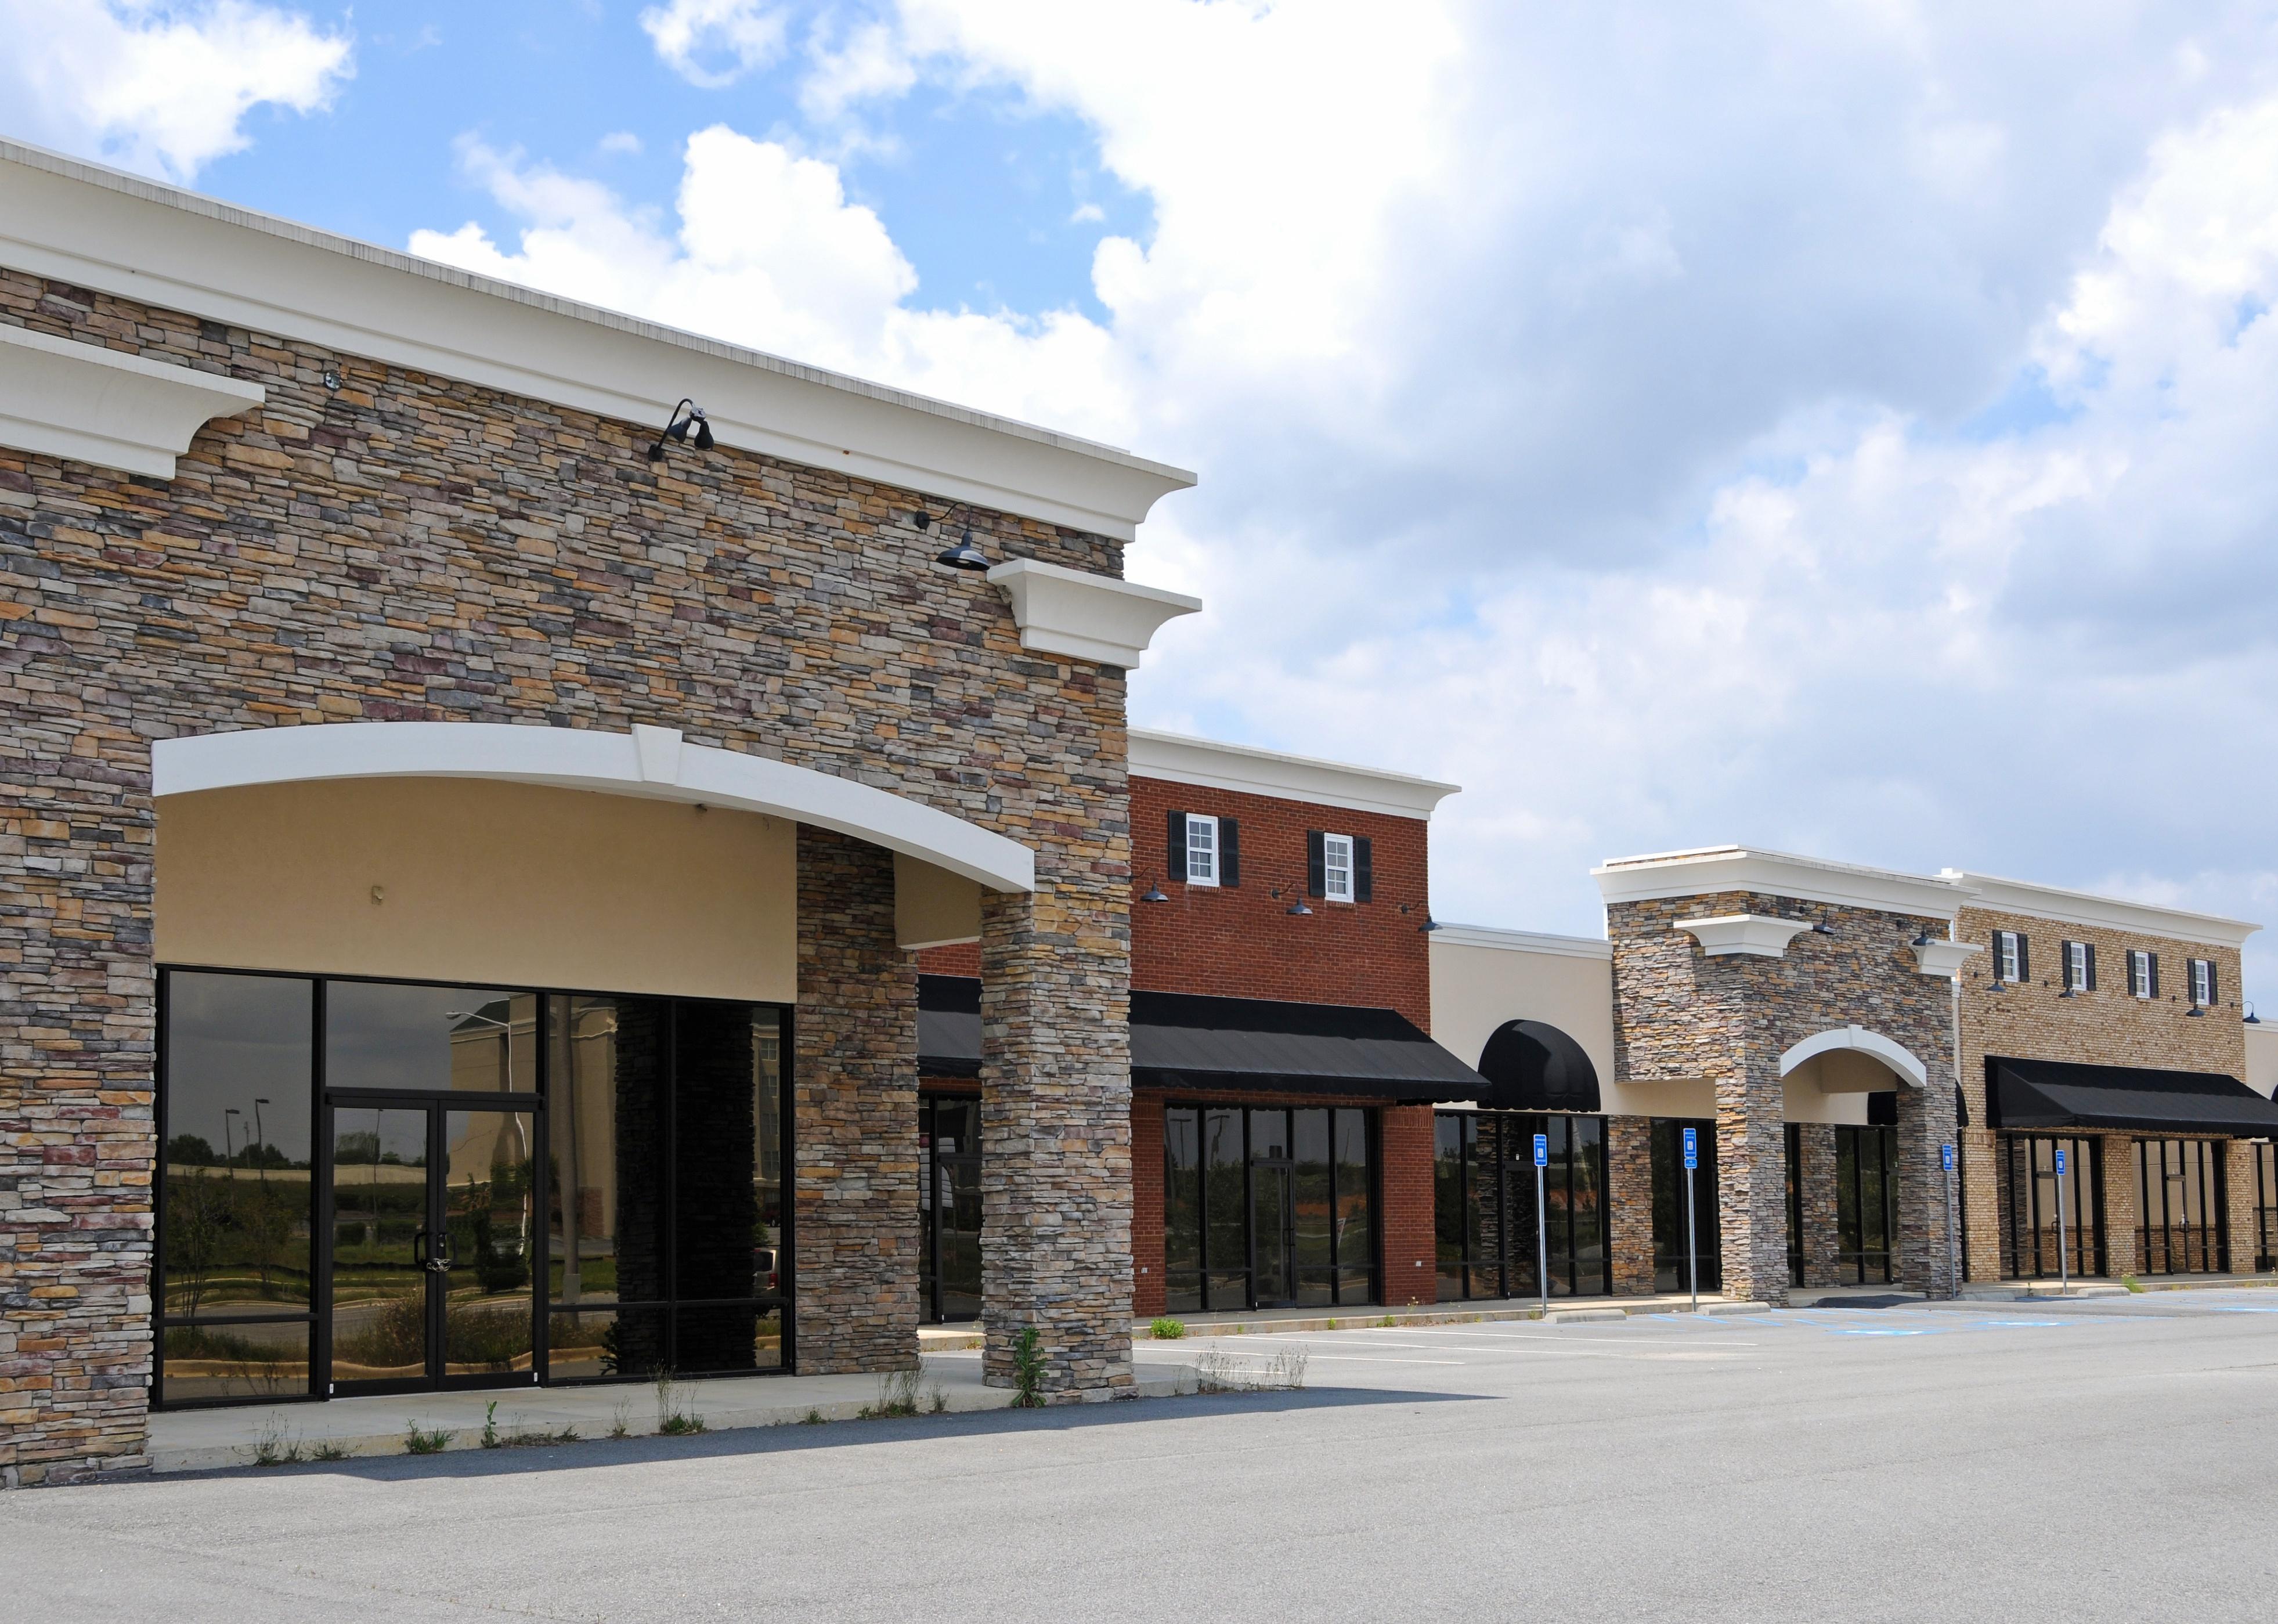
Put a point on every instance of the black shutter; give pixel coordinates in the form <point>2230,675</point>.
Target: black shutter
<point>1998,974</point>
<point>1175,858</point>
<point>1315,882</point>
<point>1364,870</point>
<point>1229,852</point>
<point>2024,964</point>
<point>2213,996</point>
<point>2155,973</point>
<point>2064,967</point>
<point>2090,949</point>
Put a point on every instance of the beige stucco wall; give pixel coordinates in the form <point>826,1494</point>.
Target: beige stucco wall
<point>1476,988</point>
<point>480,882</point>
<point>2262,1058</point>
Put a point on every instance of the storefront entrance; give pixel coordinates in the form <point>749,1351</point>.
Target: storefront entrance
<point>2180,1202</point>
<point>1674,1265</point>
<point>1866,1203</point>
<point>1265,1207</point>
<point>2027,1184</point>
<point>432,1215</point>
<point>949,1209</point>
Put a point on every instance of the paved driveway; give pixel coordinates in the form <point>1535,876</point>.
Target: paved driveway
<point>2009,1462</point>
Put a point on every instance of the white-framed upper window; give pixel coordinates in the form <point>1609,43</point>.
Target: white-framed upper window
<point>2203,983</point>
<point>2077,964</point>
<point>2009,962</point>
<point>2140,981</point>
<point>1337,867</point>
<point>1203,865</point>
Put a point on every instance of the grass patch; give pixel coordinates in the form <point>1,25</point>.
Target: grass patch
<point>1167,1330</point>
<point>2131,1283</point>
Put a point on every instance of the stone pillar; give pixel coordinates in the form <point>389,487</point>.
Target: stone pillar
<point>2238,1190</point>
<point>1628,1179</point>
<point>1056,1133</point>
<point>854,1126</point>
<point>1823,1241</point>
<point>78,1137</point>
<point>2122,1207</point>
<point>1927,1256</point>
<point>1752,1178</point>
<point>1406,1216</point>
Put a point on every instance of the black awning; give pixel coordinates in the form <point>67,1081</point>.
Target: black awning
<point>949,1026</point>
<point>1189,1041</point>
<point>2040,1094</point>
<point>1534,1066</point>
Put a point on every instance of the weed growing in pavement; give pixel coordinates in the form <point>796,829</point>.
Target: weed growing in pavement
<point>431,1440</point>
<point>1221,1372</point>
<point>1385,1323</point>
<point>621,1424</point>
<point>491,1439</point>
<point>1331,1325</point>
<point>2131,1283</point>
<point>937,1398</point>
<point>676,1413</point>
<point>813,1418</point>
<point>1167,1330</point>
<point>276,1445</point>
<point>1028,1370</point>
<point>329,1451</point>
<point>897,1395</point>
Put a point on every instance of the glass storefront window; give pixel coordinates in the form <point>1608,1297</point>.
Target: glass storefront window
<point>2026,1183</point>
<point>1182,1210</point>
<point>2182,1222</point>
<point>384,1035</point>
<point>1266,1207</point>
<point>1672,1261</point>
<point>1485,1200</point>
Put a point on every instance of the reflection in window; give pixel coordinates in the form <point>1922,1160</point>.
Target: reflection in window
<point>441,1039</point>
<point>1266,1206</point>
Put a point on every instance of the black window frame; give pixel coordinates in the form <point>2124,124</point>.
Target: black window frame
<point>2026,1216</point>
<point>1507,1206</point>
<point>1373,1288</point>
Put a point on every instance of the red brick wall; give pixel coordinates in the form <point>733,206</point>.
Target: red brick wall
<point>1404,1186</point>
<point>1242,943</point>
<point>1146,1206</point>
<point>964,959</point>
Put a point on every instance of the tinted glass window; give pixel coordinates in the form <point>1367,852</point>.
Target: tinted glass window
<point>443,1039</point>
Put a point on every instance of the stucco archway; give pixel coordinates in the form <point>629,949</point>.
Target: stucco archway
<point>1897,1057</point>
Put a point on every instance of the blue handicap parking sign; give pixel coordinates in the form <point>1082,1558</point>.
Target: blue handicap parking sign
<point>2061,1160</point>
<point>1945,1155</point>
<point>1691,1149</point>
<point>1541,1150</point>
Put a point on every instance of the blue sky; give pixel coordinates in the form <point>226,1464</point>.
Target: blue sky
<point>1840,428</point>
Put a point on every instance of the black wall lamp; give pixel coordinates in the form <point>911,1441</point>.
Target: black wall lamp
<point>1154,894</point>
<point>689,425</point>
<point>1297,909</point>
<point>963,555</point>
<point>2253,1019</point>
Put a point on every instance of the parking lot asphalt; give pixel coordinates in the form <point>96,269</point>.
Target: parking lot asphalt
<point>2108,1461</point>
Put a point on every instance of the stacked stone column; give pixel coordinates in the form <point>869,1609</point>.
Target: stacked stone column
<point>1927,1256</point>
<point>854,1132</point>
<point>1752,1178</point>
<point>1056,1133</point>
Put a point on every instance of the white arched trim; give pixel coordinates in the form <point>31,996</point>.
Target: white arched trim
<point>650,762</point>
<point>1897,1057</point>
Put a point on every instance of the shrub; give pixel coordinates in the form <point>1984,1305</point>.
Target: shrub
<point>1167,1330</point>
<point>1028,1369</point>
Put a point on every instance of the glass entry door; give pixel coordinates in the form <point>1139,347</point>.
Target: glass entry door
<point>434,1229</point>
<point>1866,1202</point>
<point>1272,1234</point>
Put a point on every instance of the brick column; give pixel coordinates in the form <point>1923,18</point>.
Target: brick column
<point>1927,1258</point>
<point>854,1128</point>
<point>1147,1282</point>
<point>1056,1132</point>
<point>2238,1189</point>
<point>1411,1277</point>
<point>2122,1206</point>
<point>78,1020</point>
<point>1981,1221</point>
<point>1823,1241</point>
<point>1752,1178</point>
<point>1629,1177</point>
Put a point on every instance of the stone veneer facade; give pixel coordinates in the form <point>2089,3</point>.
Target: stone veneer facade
<point>1678,1012</point>
<point>413,548</point>
<point>2107,1026</point>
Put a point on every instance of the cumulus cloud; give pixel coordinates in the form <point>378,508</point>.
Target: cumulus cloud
<point>1839,429</point>
<point>163,89</point>
<point>713,43</point>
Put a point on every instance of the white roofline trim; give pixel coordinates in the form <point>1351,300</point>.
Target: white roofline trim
<point>1897,1056</point>
<point>1708,870</point>
<point>1080,616</point>
<point>1176,758</point>
<point>1756,936</point>
<point>118,233</point>
<point>652,763</point>
<point>2095,913</point>
<point>1522,941</point>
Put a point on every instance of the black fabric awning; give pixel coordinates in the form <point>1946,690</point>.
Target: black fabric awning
<point>1189,1041</point>
<point>2041,1094</point>
<point>1534,1066</point>
<point>1193,1043</point>
<point>949,1026</point>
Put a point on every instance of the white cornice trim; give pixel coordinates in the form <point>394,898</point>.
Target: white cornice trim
<point>1084,616</point>
<point>2079,907</point>
<point>1944,958</point>
<point>1897,1056</point>
<point>95,405</point>
<point>1709,870</point>
<point>653,763</point>
<point>94,228</point>
<point>1522,941</point>
<point>1758,936</point>
<point>1174,758</point>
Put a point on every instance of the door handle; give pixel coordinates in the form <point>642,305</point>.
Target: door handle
<point>424,1254</point>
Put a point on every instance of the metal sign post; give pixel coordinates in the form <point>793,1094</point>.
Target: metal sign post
<point>2064,1267</point>
<point>1692,1234</point>
<point>1953,1259</point>
<point>1542,1229</point>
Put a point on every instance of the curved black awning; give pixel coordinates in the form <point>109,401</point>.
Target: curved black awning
<point>2033,1094</point>
<point>1192,1042</point>
<point>1534,1066</point>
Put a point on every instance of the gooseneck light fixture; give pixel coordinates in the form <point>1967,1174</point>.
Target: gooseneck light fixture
<point>1154,894</point>
<point>963,555</point>
<point>689,425</point>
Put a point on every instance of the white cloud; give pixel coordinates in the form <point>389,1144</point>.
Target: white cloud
<point>713,43</point>
<point>1842,429</point>
<point>621,144</point>
<point>164,90</point>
